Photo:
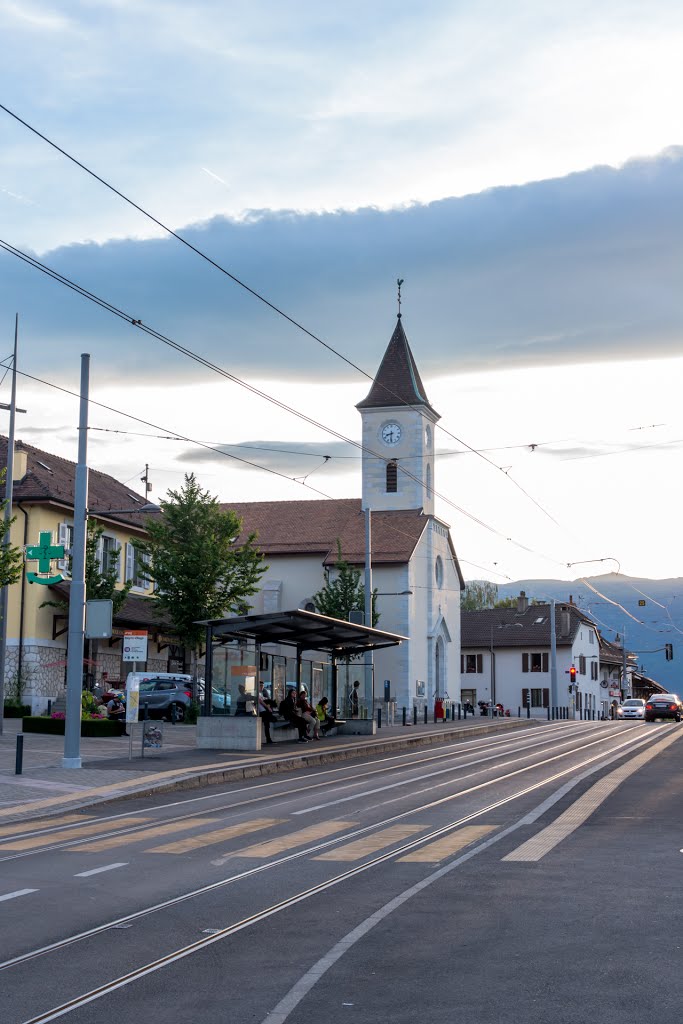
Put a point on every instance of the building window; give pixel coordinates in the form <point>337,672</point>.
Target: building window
<point>470,663</point>
<point>135,566</point>
<point>540,697</point>
<point>65,536</point>
<point>594,670</point>
<point>428,476</point>
<point>535,662</point>
<point>109,554</point>
<point>582,665</point>
<point>591,637</point>
<point>392,477</point>
<point>438,571</point>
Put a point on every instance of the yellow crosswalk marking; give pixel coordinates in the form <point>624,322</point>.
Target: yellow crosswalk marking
<point>294,839</point>
<point>371,844</point>
<point>432,853</point>
<point>34,826</point>
<point>141,837</point>
<point>218,836</point>
<point>33,842</point>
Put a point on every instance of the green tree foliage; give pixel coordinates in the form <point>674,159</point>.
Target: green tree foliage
<point>11,557</point>
<point>344,593</point>
<point>478,594</point>
<point>199,569</point>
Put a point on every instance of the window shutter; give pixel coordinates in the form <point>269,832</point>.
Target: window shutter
<point>462,664</point>
<point>99,554</point>
<point>524,696</point>
<point>480,663</point>
<point>63,538</point>
<point>525,662</point>
<point>130,562</point>
<point>546,697</point>
<point>545,666</point>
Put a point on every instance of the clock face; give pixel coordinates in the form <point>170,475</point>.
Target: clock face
<point>391,433</point>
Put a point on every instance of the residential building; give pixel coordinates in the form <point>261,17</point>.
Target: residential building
<point>43,502</point>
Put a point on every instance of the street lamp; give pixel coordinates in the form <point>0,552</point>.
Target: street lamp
<point>587,561</point>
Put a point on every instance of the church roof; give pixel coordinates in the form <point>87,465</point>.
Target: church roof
<point>397,381</point>
<point>313,527</point>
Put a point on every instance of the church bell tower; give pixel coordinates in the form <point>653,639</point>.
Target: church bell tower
<point>398,433</point>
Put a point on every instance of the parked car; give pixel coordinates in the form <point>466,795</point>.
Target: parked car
<point>664,705</point>
<point>162,694</point>
<point>634,707</point>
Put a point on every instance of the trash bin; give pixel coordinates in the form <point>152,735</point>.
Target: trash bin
<point>438,708</point>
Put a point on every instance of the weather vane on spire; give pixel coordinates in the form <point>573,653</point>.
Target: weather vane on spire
<point>399,282</point>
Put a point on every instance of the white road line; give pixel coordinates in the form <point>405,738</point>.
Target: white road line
<point>13,895</point>
<point>98,871</point>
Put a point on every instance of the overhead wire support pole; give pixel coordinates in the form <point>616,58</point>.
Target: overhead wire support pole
<point>554,696</point>
<point>74,660</point>
<point>6,539</point>
<point>369,661</point>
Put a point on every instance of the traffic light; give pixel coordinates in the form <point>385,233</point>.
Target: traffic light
<point>572,675</point>
<point>669,649</point>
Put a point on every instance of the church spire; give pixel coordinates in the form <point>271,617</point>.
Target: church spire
<point>397,381</point>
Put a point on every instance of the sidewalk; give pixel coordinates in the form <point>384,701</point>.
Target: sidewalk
<point>107,774</point>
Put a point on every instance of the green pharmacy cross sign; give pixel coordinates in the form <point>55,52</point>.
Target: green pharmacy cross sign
<point>44,553</point>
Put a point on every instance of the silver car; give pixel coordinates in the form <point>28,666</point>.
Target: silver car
<point>634,707</point>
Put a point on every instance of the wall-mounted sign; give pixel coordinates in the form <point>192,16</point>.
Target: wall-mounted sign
<point>44,553</point>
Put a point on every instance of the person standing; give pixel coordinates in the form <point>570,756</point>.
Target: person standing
<point>265,710</point>
<point>354,699</point>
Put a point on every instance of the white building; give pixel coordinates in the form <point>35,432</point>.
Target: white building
<point>506,658</point>
<point>414,565</point>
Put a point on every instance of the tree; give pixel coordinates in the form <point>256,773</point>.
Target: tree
<point>344,593</point>
<point>101,580</point>
<point>477,595</point>
<point>193,558</point>
<point>11,557</point>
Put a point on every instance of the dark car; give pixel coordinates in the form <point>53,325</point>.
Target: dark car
<point>161,695</point>
<point>664,705</point>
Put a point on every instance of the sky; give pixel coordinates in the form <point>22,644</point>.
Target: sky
<point>520,166</point>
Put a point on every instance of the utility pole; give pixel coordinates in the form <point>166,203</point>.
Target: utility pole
<point>624,683</point>
<point>369,682</point>
<point>145,480</point>
<point>9,491</point>
<point>74,657</point>
<point>554,696</point>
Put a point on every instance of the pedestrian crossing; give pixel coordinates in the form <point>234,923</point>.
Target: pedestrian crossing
<point>101,835</point>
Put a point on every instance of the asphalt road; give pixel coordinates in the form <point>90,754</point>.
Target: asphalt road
<point>494,880</point>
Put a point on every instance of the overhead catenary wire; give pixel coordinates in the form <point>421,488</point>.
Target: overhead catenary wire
<point>164,339</point>
<point>258,295</point>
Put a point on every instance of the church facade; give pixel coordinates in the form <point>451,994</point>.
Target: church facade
<point>414,565</point>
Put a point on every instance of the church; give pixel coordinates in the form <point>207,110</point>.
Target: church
<point>415,570</point>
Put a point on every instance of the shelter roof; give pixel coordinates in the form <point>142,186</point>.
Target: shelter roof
<point>308,631</point>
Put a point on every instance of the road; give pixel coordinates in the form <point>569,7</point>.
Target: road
<point>493,880</point>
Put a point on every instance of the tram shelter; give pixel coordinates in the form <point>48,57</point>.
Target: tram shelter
<point>298,629</point>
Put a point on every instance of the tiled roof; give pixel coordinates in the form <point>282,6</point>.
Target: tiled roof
<point>506,627</point>
<point>50,478</point>
<point>312,527</point>
<point>397,381</point>
<point>136,611</point>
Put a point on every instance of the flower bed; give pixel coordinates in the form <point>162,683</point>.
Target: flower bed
<point>55,726</point>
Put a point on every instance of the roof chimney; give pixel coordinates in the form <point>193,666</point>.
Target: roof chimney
<point>522,603</point>
<point>20,465</point>
<point>565,622</point>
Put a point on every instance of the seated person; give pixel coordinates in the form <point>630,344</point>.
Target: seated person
<point>116,712</point>
<point>326,721</point>
<point>266,713</point>
<point>308,714</point>
<point>291,713</point>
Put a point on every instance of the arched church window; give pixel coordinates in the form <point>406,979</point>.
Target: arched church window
<point>438,571</point>
<point>428,480</point>
<point>392,477</point>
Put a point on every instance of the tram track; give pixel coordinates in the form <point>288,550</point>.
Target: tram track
<point>630,744</point>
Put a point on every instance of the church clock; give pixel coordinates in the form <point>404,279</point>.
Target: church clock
<point>391,433</point>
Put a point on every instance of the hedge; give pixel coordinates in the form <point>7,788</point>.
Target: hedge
<point>17,710</point>
<point>55,726</point>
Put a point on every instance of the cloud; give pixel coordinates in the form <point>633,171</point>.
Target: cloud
<point>293,458</point>
<point>562,271</point>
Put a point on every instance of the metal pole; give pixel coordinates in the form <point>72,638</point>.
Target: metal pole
<point>368,658</point>
<point>74,663</point>
<point>19,756</point>
<point>624,686</point>
<point>554,696</point>
<point>9,483</point>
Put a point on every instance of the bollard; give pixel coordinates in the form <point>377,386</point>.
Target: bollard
<point>173,714</point>
<point>20,755</point>
<point>519,712</point>
<point>145,711</point>
<point>425,714</point>
<point>49,708</point>
<point>528,711</point>
<point>414,714</point>
<point>379,718</point>
<point>459,709</point>
<point>549,712</point>
<point>404,716</point>
<point>434,712</point>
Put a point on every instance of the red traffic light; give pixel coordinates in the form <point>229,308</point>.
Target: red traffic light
<point>572,674</point>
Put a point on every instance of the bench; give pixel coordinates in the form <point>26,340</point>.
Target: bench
<point>283,732</point>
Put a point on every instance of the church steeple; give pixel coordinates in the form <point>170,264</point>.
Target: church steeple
<point>398,432</point>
